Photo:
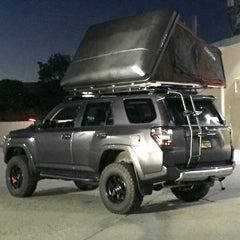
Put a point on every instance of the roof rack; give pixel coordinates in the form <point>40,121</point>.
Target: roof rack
<point>156,87</point>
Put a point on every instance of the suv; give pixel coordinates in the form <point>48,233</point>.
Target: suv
<point>127,144</point>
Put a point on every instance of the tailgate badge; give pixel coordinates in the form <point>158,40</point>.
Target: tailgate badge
<point>206,144</point>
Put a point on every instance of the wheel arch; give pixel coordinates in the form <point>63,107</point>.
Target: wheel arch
<point>119,154</point>
<point>127,155</point>
<point>16,150</point>
<point>108,156</point>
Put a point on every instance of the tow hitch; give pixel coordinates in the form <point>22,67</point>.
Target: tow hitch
<point>222,185</point>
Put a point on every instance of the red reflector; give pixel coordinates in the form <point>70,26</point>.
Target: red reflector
<point>166,144</point>
<point>155,137</point>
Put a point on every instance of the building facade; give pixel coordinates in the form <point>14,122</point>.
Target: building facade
<point>228,99</point>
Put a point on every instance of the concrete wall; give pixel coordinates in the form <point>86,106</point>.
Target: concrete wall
<point>6,127</point>
<point>231,107</point>
<point>231,61</point>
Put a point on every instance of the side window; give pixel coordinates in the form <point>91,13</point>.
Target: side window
<point>98,114</point>
<point>140,110</point>
<point>64,117</point>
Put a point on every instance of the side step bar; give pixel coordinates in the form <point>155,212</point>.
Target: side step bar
<point>55,176</point>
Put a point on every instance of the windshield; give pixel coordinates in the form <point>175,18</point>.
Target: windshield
<point>205,109</point>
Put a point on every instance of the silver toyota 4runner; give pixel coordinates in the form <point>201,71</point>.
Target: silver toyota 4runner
<point>145,125</point>
<point>129,145</point>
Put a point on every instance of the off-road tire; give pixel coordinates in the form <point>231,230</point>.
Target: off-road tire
<point>20,182</point>
<point>85,186</point>
<point>118,188</point>
<point>192,193</point>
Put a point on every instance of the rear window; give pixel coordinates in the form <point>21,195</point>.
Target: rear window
<point>140,110</point>
<point>208,114</point>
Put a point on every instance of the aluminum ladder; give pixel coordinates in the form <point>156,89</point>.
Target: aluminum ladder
<point>198,134</point>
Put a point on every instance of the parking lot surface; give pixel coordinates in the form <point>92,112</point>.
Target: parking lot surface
<point>58,210</point>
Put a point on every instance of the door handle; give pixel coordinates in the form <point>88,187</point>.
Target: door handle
<point>101,135</point>
<point>66,136</point>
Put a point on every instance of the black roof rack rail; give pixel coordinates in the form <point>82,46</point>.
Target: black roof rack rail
<point>134,89</point>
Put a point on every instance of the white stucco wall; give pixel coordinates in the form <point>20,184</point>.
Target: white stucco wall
<point>6,127</point>
<point>230,49</point>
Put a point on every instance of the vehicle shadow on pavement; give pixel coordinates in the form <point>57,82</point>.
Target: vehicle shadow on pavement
<point>174,204</point>
<point>167,205</point>
<point>55,191</point>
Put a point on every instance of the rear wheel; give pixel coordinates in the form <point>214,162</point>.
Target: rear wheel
<point>191,193</point>
<point>118,188</point>
<point>20,182</point>
<point>85,186</point>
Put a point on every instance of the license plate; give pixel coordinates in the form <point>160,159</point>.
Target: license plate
<point>206,144</point>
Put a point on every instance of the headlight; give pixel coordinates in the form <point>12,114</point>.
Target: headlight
<point>6,137</point>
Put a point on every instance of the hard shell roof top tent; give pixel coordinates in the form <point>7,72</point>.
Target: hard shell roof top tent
<point>143,52</point>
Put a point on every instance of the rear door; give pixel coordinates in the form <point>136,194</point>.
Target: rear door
<point>90,137</point>
<point>211,143</point>
<point>216,137</point>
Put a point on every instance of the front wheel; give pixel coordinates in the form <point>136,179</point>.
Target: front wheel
<point>20,182</point>
<point>191,193</point>
<point>118,188</point>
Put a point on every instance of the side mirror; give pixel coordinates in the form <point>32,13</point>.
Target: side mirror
<point>38,123</point>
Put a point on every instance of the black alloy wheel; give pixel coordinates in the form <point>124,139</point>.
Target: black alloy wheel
<point>191,193</point>
<point>16,177</point>
<point>118,188</point>
<point>19,179</point>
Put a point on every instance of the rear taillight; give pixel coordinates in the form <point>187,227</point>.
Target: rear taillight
<point>163,136</point>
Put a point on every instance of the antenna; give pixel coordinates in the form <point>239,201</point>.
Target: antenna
<point>195,24</point>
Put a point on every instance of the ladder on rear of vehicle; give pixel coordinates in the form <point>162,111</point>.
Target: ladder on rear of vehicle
<point>194,133</point>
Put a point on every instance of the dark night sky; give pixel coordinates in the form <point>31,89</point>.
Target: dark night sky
<point>33,30</point>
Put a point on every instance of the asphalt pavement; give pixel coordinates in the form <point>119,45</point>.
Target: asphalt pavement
<point>59,211</point>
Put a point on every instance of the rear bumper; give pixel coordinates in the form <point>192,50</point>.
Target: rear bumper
<point>201,174</point>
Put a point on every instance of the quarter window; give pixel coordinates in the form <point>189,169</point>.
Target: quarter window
<point>140,110</point>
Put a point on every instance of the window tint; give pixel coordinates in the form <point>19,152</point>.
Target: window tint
<point>208,114</point>
<point>64,117</point>
<point>98,114</point>
<point>140,110</point>
<point>67,113</point>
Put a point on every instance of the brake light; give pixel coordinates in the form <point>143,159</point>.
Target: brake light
<point>163,136</point>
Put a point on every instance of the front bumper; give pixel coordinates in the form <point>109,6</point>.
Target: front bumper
<point>201,174</point>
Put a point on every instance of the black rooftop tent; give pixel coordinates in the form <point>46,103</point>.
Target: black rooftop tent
<point>142,51</point>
